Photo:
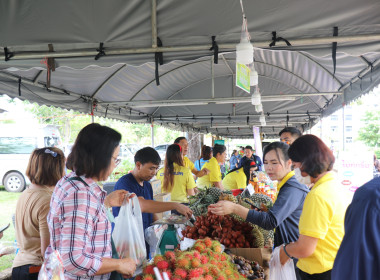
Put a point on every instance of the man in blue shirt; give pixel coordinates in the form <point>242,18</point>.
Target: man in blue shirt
<point>147,161</point>
<point>359,254</point>
<point>248,151</point>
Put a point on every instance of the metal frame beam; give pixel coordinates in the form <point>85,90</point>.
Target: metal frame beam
<point>263,44</point>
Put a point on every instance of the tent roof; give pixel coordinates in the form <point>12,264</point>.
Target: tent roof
<point>297,82</point>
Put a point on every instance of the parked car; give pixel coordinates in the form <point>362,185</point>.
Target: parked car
<point>161,149</point>
<point>16,145</point>
<point>128,151</point>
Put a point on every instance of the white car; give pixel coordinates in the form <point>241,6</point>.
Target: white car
<point>161,149</point>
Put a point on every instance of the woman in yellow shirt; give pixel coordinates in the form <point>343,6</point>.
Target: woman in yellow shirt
<point>321,224</point>
<point>175,177</point>
<point>214,177</point>
<point>238,178</point>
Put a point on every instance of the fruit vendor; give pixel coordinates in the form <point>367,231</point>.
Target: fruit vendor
<point>321,224</point>
<point>176,179</point>
<point>182,141</point>
<point>238,178</point>
<point>214,178</point>
<point>362,224</point>
<point>286,211</point>
<point>249,155</point>
<point>147,161</point>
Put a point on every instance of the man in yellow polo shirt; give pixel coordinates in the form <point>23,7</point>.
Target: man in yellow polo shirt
<point>214,177</point>
<point>182,141</point>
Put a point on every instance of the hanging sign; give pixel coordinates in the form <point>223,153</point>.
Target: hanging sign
<point>242,77</point>
<point>219,142</point>
<point>354,169</point>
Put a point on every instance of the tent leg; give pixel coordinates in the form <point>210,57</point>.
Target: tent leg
<point>152,133</point>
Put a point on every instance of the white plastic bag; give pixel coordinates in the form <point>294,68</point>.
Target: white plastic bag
<point>52,268</point>
<point>278,271</point>
<point>128,234</point>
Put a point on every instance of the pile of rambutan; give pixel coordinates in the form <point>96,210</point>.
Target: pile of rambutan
<point>205,261</point>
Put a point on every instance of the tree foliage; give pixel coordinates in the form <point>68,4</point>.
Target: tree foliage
<point>70,122</point>
<point>370,132</point>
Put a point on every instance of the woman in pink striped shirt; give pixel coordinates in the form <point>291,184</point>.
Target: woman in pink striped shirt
<point>78,224</point>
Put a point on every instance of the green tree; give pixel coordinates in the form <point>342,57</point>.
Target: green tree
<point>370,132</point>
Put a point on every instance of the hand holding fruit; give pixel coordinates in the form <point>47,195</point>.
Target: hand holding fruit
<point>223,207</point>
<point>127,267</point>
<point>184,210</point>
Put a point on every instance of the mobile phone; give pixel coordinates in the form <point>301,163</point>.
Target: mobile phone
<point>4,228</point>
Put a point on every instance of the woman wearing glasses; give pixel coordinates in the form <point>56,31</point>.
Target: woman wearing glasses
<point>78,224</point>
<point>46,166</point>
<point>321,224</point>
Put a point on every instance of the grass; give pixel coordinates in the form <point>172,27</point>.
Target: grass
<point>8,203</point>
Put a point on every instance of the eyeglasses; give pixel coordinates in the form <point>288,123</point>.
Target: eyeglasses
<point>117,160</point>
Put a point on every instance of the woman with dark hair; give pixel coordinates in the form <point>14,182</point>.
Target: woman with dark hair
<point>321,224</point>
<point>214,178</point>
<point>238,178</point>
<point>286,211</point>
<point>78,224</point>
<point>175,177</point>
<point>46,166</point>
<point>206,154</point>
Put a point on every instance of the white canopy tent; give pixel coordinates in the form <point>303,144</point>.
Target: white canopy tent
<point>107,56</point>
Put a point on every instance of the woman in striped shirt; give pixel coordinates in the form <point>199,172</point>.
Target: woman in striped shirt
<point>78,224</point>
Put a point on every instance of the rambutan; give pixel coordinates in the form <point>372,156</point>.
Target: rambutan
<point>158,258</point>
<point>223,257</point>
<point>180,273</point>
<point>195,263</point>
<point>214,271</point>
<point>183,263</point>
<point>217,248</point>
<point>138,277</point>
<point>200,247</point>
<point>195,273</point>
<point>170,255</point>
<point>148,277</point>
<point>204,259</point>
<point>168,272</point>
<point>148,269</point>
<point>208,242</point>
<point>162,265</point>
<point>228,271</point>
<point>221,277</point>
<point>197,255</point>
<point>209,277</point>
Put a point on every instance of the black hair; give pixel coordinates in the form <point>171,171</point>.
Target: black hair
<point>173,155</point>
<point>206,152</point>
<point>313,154</point>
<point>218,149</point>
<point>283,147</point>
<point>292,130</point>
<point>178,139</point>
<point>233,152</point>
<point>147,154</point>
<point>246,168</point>
<point>93,150</point>
<point>249,147</point>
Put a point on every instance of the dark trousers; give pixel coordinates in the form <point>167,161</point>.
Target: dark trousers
<point>317,276</point>
<point>22,273</point>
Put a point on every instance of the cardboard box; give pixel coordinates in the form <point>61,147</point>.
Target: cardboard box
<point>156,186</point>
<point>164,197</point>
<point>261,255</point>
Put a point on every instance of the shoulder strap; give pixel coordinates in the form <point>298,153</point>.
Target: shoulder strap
<point>77,179</point>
